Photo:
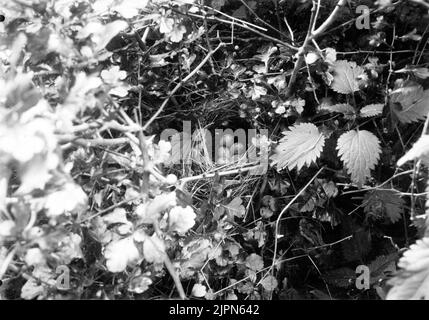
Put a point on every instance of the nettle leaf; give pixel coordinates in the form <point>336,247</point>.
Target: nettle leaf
<point>412,282</point>
<point>300,146</point>
<point>371,110</point>
<point>347,110</point>
<point>360,152</point>
<point>346,76</point>
<point>382,266</point>
<point>420,150</point>
<point>410,103</point>
<point>384,203</point>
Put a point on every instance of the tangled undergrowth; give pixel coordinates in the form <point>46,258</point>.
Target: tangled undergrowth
<point>119,181</point>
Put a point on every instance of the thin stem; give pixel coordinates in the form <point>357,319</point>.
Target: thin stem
<point>179,85</point>
<point>276,230</point>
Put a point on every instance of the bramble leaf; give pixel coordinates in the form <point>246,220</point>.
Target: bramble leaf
<point>346,76</point>
<point>420,150</point>
<point>300,146</point>
<point>347,110</point>
<point>360,152</point>
<point>410,103</point>
<point>384,203</point>
<point>371,110</point>
<point>412,283</point>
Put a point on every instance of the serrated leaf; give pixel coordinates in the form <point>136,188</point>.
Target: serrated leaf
<point>384,203</point>
<point>300,146</point>
<point>412,283</point>
<point>347,110</point>
<point>341,278</point>
<point>360,152</point>
<point>269,283</point>
<point>371,110</point>
<point>410,103</point>
<point>382,266</point>
<point>346,76</point>
<point>420,150</point>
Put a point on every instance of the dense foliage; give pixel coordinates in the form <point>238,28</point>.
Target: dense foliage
<point>333,174</point>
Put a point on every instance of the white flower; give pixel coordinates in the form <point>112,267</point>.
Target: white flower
<point>70,198</point>
<point>280,110</point>
<point>166,25</point>
<point>120,91</point>
<point>34,256</point>
<point>181,219</point>
<point>113,75</point>
<point>6,228</point>
<point>154,249</point>
<point>121,253</point>
<point>148,212</point>
<point>199,290</point>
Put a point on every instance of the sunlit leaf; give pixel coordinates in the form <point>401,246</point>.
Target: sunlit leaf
<point>300,146</point>
<point>360,151</point>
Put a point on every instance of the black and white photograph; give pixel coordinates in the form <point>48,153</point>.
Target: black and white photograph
<point>212,157</point>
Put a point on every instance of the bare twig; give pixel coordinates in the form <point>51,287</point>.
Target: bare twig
<point>301,51</point>
<point>311,35</point>
<point>221,174</point>
<point>330,19</point>
<point>92,142</point>
<point>169,266</point>
<point>247,27</point>
<point>179,85</point>
<point>276,230</point>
